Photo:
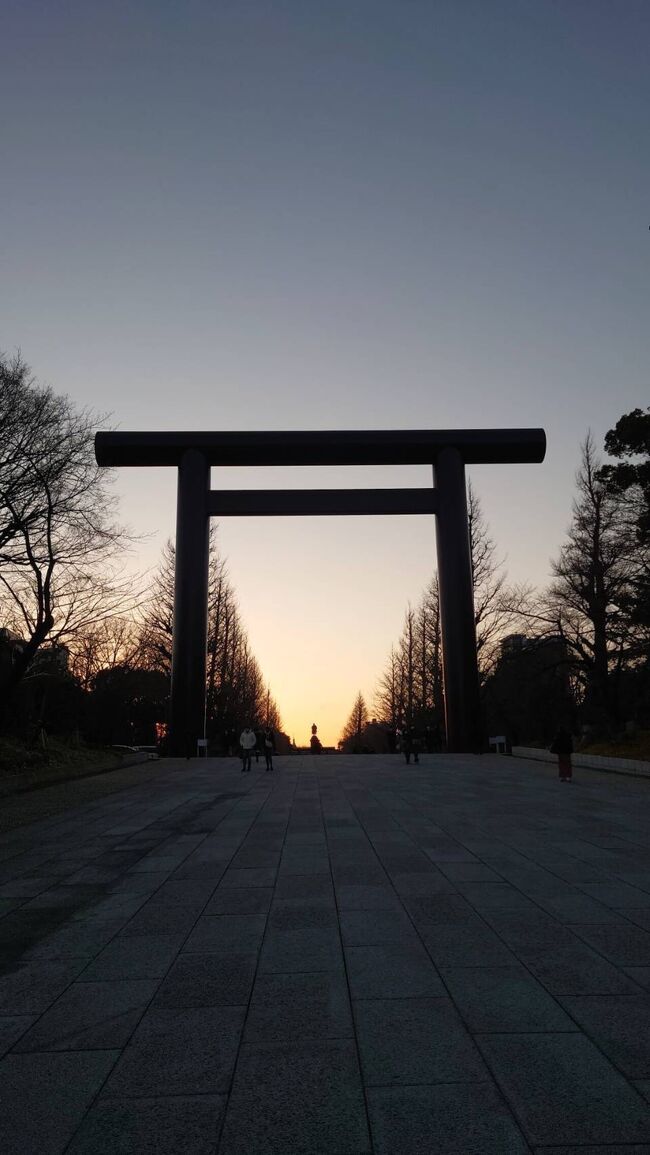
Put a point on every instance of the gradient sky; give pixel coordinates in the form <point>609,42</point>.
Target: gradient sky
<point>361,214</point>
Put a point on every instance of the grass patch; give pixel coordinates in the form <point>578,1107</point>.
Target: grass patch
<point>58,759</point>
<point>636,746</point>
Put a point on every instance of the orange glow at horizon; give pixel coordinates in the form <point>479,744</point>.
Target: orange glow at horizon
<point>323,599</point>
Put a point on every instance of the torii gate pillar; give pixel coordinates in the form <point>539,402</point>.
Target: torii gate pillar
<point>190,629</point>
<point>460,666</point>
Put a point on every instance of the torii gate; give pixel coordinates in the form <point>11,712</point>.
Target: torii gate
<point>447,450</point>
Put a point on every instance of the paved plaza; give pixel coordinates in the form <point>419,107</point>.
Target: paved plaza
<point>349,955</point>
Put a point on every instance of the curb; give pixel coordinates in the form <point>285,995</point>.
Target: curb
<point>632,767</point>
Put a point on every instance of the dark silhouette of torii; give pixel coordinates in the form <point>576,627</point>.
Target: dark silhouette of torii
<point>445,451</point>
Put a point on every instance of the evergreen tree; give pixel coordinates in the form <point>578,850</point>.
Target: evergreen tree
<point>356,723</point>
<point>629,480</point>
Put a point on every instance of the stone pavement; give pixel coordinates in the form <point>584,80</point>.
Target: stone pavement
<point>349,955</point>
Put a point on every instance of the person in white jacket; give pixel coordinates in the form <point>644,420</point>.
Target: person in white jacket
<point>248,742</point>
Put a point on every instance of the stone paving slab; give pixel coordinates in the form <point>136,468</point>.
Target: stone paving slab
<point>312,949</point>
<point>226,934</point>
<point>393,971</point>
<point>498,999</point>
<point>348,955</point>
<point>159,1126</point>
<point>448,1118</point>
<point>179,1052</point>
<point>415,1041</point>
<point>30,988</point>
<point>44,1097</point>
<point>144,956</point>
<point>90,1017</point>
<point>640,975</point>
<point>298,1007</point>
<point>302,1097</point>
<point>620,1026</point>
<point>627,945</point>
<point>12,1028</point>
<point>607,1149</point>
<point>562,1087</point>
<point>576,970</point>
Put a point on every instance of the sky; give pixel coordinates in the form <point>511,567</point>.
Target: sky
<point>235,214</point>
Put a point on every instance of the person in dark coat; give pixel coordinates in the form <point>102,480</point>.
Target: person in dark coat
<point>410,744</point>
<point>268,744</point>
<point>562,745</point>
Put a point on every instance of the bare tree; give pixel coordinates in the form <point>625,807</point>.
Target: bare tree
<point>496,604</point>
<point>235,690</point>
<point>434,702</point>
<point>410,690</point>
<point>60,545</point>
<point>588,602</point>
<point>219,596</point>
<point>157,615</point>
<point>26,413</point>
<point>106,645</point>
<point>409,661</point>
<point>272,715</point>
<point>389,701</point>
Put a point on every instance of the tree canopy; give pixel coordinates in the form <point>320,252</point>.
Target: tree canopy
<point>629,441</point>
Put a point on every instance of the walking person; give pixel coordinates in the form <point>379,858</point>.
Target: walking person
<point>268,743</point>
<point>247,741</point>
<point>407,744</point>
<point>416,745</point>
<point>562,745</point>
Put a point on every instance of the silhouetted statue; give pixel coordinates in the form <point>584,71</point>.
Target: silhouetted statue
<point>314,741</point>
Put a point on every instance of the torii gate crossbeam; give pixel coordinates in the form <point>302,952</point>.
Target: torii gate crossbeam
<point>447,451</point>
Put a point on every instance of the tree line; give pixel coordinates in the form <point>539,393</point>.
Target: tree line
<point>576,652</point>
<point>84,647</point>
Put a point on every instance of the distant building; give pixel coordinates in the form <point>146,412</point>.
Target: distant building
<point>513,644</point>
<point>49,659</point>
<point>11,645</point>
<point>52,659</point>
<point>373,739</point>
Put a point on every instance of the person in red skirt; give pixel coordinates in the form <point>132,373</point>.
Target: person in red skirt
<point>562,745</point>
